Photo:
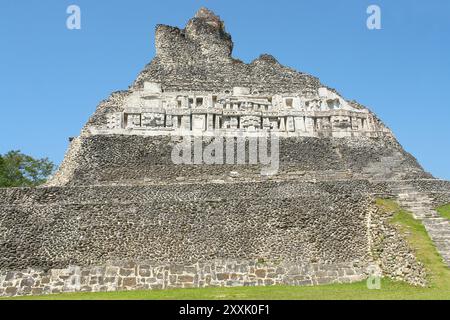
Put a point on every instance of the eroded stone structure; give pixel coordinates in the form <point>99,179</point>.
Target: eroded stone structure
<point>194,86</point>
<point>120,214</point>
<point>238,111</point>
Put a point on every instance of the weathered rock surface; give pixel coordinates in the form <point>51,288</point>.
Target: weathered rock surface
<point>120,214</point>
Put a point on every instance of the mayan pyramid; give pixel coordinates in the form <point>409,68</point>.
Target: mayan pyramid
<point>120,213</point>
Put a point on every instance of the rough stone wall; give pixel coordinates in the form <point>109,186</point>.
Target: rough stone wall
<point>147,276</point>
<point>57,227</point>
<point>437,190</point>
<point>114,103</point>
<point>391,251</point>
<point>326,230</point>
<point>128,218</point>
<point>198,57</point>
<point>109,159</point>
<point>66,171</point>
<point>440,199</point>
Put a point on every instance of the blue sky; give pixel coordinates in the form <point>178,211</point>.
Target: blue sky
<point>52,78</point>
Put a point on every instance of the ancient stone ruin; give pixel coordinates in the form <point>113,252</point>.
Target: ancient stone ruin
<point>120,214</point>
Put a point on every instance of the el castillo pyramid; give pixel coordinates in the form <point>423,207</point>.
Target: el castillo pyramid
<point>122,214</point>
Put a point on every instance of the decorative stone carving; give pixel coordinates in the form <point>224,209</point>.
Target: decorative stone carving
<point>153,120</point>
<point>114,120</point>
<point>156,106</point>
<point>132,120</point>
<point>250,122</point>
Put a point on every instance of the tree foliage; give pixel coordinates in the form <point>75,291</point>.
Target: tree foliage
<point>20,170</point>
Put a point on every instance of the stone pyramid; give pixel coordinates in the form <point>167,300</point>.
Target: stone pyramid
<point>122,213</point>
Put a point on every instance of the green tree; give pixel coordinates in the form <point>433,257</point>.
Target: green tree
<point>20,170</point>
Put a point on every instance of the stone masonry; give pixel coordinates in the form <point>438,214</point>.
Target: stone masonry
<point>121,214</point>
<point>145,276</point>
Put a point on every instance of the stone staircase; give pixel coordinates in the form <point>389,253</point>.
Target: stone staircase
<point>421,206</point>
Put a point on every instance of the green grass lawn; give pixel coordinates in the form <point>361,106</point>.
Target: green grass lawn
<point>444,211</point>
<point>439,279</point>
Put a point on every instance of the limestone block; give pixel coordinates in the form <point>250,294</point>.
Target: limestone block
<point>186,123</point>
<point>198,122</point>
<point>300,124</point>
<point>283,124</point>
<point>290,124</point>
<point>241,91</point>
<point>152,87</point>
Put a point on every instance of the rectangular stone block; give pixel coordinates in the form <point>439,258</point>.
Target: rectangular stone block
<point>126,272</point>
<point>261,273</point>
<point>111,271</point>
<point>128,282</point>
<point>185,278</point>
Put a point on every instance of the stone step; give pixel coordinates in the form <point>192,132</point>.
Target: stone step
<point>438,219</point>
<point>421,210</point>
<point>416,202</point>
<point>416,207</point>
<point>439,231</point>
<point>425,211</point>
<point>424,216</point>
<point>421,206</point>
<point>414,195</point>
<point>443,239</point>
<point>443,250</point>
<point>437,225</point>
<point>407,193</point>
<point>440,237</point>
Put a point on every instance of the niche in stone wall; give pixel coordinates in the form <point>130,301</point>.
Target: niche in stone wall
<point>199,102</point>
<point>132,120</point>
<point>273,123</point>
<point>289,102</point>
